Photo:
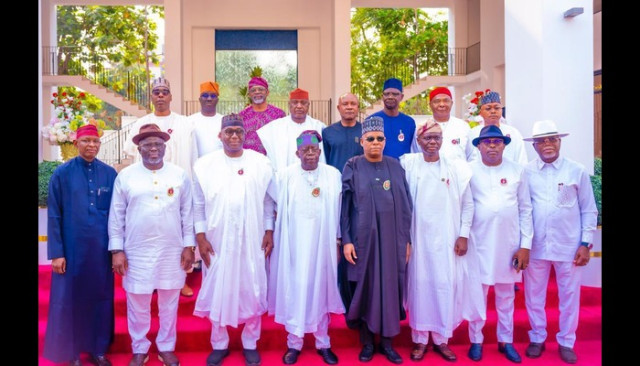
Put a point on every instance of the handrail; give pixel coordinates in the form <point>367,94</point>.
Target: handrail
<point>318,109</point>
<point>112,146</point>
<point>459,61</point>
<point>71,60</point>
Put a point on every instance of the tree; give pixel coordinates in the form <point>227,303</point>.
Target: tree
<point>110,44</point>
<point>402,43</point>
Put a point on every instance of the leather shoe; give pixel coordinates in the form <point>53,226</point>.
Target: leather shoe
<point>328,356</point>
<point>534,350</point>
<point>291,356</point>
<point>418,352</point>
<point>366,354</point>
<point>168,358</point>
<point>186,291</point>
<point>100,360</point>
<point>445,352</point>
<point>391,354</point>
<point>475,351</point>
<point>509,351</point>
<point>75,362</point>
<point>139,359</point>
<point>216,356</point>
<point>567,354</point>
<point>251,357</point>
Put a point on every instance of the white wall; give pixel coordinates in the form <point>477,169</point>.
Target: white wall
<point>549,71</point>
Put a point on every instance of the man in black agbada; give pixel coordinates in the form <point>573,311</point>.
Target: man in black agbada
<point>375,223</point>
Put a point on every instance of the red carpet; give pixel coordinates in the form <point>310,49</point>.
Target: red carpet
<point>193,334</point>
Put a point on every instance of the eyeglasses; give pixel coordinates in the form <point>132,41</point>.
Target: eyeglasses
<point>257,89</point>
<point>435,138</point>
<point>238,131</point>
<point>546,140</point>
<point>391,94</point>
<point>208,95</point>
<point>492,141</point>
<point>377,138</point>
<point>488,108</point>
<point>157,92</point>
<point>151,145</point>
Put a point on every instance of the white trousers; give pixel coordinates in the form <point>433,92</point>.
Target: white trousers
<point>321,335</point>
<point>139,320</point>
<point>505,295</point>
<point>250,334</point>
<point>422,336</point>
<point>536,279</point>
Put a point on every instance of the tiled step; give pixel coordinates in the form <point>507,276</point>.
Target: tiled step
<point>589,353</point>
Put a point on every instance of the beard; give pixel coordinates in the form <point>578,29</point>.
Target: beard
<point>258,99</point>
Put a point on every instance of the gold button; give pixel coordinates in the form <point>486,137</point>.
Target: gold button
<point>155,182</point>
<point>156,197</point>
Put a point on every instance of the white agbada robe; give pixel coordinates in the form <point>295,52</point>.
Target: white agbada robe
<point>233,210</point>
<point>178,148</point>
<point>502,221</point>
<point>442,287</point>
<point>515,151</point>
<point>151,219</point>
<point>455,134</point>
<point>204,134</point>
<point>303,283</point>
<point>279,139</point>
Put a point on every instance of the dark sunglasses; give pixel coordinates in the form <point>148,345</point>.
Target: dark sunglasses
<point>371,138</point>
<point>208,95</point>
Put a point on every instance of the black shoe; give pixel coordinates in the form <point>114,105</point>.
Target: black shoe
<point>251,357</point>
<point>475,351</point>
<point>391,354</point>
<point>291,356</point>
<point>366,354</point>
<point>100,360</point>
<point>534,350</point>
<point>216,356</point>
<point>328,356</point>
<point>510,352</point>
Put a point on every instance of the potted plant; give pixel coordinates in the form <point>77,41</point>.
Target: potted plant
<point>45,170</point>
<point>592,274</point>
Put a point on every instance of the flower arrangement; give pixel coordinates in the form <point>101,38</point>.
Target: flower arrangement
<point>69,114</point>
<point>474,101</point>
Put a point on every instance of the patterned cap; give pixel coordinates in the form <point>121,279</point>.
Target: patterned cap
<point>232,119</point>
<point>210,86</point>
<point>158,82</point>
<point>258,81</point>
<point>490,97</point>
<point>308,137</point>
<point>372,123</point>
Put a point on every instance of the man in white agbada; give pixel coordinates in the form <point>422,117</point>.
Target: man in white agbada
<point>564,220</point>
<point>178,150</point>
<point>152,242</point>
<point>279,136</point>
<point>443,287</point>
<point>206,123</point>
<point>455,131</point>
<point>491,113</point>
<point>303,287</point>
<point>234,212</point>
<point>501,232</point>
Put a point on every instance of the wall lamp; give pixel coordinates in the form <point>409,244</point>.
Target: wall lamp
<point>573,12</point>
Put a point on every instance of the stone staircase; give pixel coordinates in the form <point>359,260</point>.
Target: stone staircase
<point>425,82</point>
<point>106,95</point>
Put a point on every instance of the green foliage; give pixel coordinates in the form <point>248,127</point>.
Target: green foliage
<point>45,170</point>
<point>111,43</point>
<point>402,43</point>
<point>596,182</point>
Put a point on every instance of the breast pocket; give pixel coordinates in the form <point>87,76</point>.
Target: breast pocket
<point>104,198</point>
<point>567,195</point>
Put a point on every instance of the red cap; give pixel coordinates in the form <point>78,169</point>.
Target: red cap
<point>87,130</point>
<point>439,90</point>
<point>299,94</point>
